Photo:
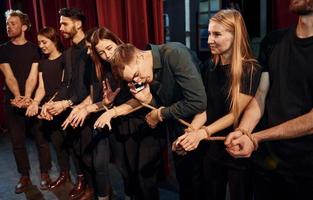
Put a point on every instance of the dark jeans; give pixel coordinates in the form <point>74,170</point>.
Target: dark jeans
<point>273,185</point>
<point>57,136</point>
<point>139,158</point>
<point>18,124</point>
<point>99,152</point>
<point>217,176</point>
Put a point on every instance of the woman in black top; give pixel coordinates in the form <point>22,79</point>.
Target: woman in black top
<point>101,97</point>
<point>50,78</point>
<point>231,79</point>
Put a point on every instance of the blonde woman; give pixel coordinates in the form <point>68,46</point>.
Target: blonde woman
<point>231,80</point>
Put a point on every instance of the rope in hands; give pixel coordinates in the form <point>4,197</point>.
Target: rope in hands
<point>210,137</point>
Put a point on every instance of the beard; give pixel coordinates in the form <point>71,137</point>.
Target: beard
<point>301,7</point>
<point>14,33</point>
<point>71,34</point>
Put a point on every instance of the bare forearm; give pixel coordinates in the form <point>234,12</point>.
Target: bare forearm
<point>13,86</point>
<point>255,108</point>
<point>293,128</point>
<point>251,116</point>
<point>40,93</point>
<point>86,102</point>
<point>30,86</point>
<point>96,107</point>
<point>127,107</point>
<point>199,120</point>
<point>221,123</point>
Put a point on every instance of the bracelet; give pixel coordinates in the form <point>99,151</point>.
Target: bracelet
<point>250,136</point>
<point>207,131</point>
<point>160,114</point>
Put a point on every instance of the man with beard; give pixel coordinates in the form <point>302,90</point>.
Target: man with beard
<point>74,89</point>
<point>20,67</point>
<point>284,167</point>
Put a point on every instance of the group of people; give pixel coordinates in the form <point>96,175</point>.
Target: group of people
<point>103,100</point>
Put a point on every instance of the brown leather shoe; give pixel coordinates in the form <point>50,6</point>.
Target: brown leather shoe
<point>63,178</point>
<point>79,188</point>
<point>88,195</point>
<point>45,181</point>
<point>22,185</point>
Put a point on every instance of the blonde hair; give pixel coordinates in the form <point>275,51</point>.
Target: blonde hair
<point>242,59</point>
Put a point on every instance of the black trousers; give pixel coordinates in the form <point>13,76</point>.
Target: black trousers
<point>92,151</point>
<point>273,185</point>
<point>188,173</point>
<point>18,124</point>
<point>96,158</point>
<point>57,136</point>
<point>139,158</point>
<point>217,176</point>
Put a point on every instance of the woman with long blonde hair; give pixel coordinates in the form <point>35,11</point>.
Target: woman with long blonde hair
<point>231,79</point>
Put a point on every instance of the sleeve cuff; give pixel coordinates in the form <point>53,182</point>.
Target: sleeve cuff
<point>166,114</point>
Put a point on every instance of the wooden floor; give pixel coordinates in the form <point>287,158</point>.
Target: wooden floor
<point>9,178</point>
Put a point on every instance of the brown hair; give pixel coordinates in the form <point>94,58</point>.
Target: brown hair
<point>241,54</point>
<point>52,35</point>
<point>93,37</point>
<point>123,55</point>
<point>17,13</point>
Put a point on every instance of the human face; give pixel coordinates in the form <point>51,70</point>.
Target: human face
<point>301,7</point>
<point>134,71</point>
<point>105,49</point>
<point>220,40</point>
<point>68,27</point>
<point>46,45</point>
<point>15,28</point>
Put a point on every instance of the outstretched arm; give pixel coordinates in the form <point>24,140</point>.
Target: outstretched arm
<point>10,79</point>
<point>32,109</point>
<point>250,119</point>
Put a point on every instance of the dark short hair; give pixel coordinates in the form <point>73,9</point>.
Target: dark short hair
<point>52,35</point>
<point>73,13</point>
<point>17,13</point>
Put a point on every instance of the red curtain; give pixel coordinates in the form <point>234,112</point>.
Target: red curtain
<point>281,16</point>
<point>135,21</point>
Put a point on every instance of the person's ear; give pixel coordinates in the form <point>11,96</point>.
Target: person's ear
<point>78,24</point>
<point>139,58</point>
<point>24,27</point>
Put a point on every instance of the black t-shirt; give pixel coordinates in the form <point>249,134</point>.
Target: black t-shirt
<point>290,66</point>
<point>2,54</point>
<point>21,58</point>
<point>217,83</point>
<point>52,75</point>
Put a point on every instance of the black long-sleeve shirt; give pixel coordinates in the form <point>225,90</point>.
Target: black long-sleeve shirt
<point>177,84</point>
<point>75,86</point>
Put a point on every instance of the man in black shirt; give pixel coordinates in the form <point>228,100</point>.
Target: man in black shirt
<point>21,71</point>
<point>73,90</point>
<point>284,167</point>
<point>173,85</point>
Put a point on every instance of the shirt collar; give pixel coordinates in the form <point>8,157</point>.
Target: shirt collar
<point>157,64</point>
<point>80,45</point>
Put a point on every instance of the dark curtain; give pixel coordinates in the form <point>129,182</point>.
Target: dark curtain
<point>281,16</point>
<point>135,21</point>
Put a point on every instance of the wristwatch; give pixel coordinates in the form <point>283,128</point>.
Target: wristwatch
<point>70,102</point>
